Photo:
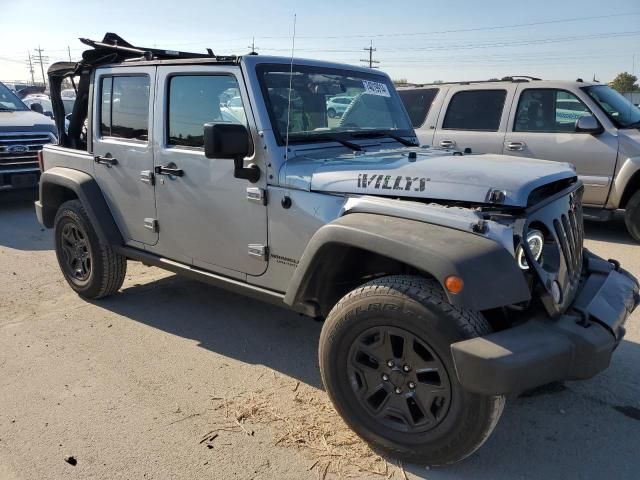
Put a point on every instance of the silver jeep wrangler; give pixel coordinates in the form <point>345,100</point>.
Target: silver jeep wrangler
<point>445,282</point>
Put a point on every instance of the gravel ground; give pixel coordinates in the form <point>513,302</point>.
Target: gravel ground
<point>129,386</point>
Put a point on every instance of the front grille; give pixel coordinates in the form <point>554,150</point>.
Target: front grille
<point>570,232</point>
<point>19,150</point>
<point>561,218</point>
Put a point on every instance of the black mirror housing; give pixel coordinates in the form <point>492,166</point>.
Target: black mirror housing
<point>37,107</point>
<point>225,140</point>
<point>230,140</point>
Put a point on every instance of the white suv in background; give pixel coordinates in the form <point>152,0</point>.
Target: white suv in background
<point>587,124</point>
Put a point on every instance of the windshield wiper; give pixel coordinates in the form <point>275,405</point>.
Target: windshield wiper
<point>633,125</point>
<point>5,109</point>
<point>397,138</point>
<point>332,138</point>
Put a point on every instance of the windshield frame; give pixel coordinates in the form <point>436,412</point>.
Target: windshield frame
<point>21,107</point>
<point>309,137</point>
<point>613,119</point>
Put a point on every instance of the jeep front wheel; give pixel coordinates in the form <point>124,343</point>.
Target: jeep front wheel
<point>386,364</point>
<point>632,216</point>
<point>92,268</point>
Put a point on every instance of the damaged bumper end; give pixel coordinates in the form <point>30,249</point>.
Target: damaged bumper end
<point>575,346</point>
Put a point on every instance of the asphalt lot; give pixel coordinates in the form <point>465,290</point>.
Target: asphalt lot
<point>129,385</point>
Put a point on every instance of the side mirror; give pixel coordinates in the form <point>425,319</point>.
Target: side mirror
<point>37,107</point>
<point>588,124</point>
<point>230,140</point>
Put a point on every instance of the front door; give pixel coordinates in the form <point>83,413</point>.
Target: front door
<point>123,151</point>
<point>205,217</point>
<point>543,126</point>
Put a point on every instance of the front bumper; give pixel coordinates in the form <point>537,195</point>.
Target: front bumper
<point>575,346</point>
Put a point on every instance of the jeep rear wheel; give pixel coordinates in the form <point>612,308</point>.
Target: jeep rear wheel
<point>386,363</point>
<point>632,216</point>
<point>91,268</point>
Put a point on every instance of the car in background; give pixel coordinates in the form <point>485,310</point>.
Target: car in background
<point>336,106</point>
<point>45,107</point>
<point>235,108</point>
<point>587,124</point>
<point>68,93</point>
<point>22,135</point>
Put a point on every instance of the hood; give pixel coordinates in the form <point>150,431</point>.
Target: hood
<point>423,173</point>
<point>25,118</point>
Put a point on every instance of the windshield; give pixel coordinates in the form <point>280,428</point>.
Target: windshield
<point>8,101</point>
<point>621,111</point>
<point>328,103</point>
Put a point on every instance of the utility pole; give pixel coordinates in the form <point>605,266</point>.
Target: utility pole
<point>370,61</point>
<point>253,46</point>
<point>69,50</point>
<point>33,80</point>
<point>41,59</point>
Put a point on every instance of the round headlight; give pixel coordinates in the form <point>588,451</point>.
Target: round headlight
<point>535,240</point>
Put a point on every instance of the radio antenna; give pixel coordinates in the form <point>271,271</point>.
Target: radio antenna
<point>286,141</point>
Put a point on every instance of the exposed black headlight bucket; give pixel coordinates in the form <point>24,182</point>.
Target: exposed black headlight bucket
<point>535,240</point>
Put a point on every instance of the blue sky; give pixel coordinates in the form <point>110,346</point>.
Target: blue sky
<point>421,41</point>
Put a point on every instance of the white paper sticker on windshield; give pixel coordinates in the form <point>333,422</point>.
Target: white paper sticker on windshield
<point>375,88</point>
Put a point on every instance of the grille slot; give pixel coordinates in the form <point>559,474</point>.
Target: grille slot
<point>570,237</point>
<point>19,150</point>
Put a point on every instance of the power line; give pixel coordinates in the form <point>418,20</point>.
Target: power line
<point>371,61</point>
<point>475,29</point>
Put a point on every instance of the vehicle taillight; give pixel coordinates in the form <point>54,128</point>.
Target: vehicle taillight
<point>41,161</point>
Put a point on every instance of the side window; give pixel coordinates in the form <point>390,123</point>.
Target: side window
<point>475,110</point>
<point>198,99</point>
<point>105,107</point>
<point>125,107</point>
<point>418,103</point>
<point>548,110</point>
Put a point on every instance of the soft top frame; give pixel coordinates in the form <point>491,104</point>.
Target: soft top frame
<point>112,49</point>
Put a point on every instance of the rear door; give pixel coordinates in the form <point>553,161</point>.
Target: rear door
<point>123,150</point>
<point>475,117</point>
<point>543,126</point>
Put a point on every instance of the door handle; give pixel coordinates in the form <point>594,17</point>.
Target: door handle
<point>107,160</point>
<point>169,170</point>
<point>515,146</point>
<point>447,143</point>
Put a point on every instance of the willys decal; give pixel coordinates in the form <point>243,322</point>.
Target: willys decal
<point>391,182</point>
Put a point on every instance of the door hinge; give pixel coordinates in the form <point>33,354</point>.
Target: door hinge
<point>147,177</point>
<point>151,224</point>
<point>258,250</point>
<point>256,194</point>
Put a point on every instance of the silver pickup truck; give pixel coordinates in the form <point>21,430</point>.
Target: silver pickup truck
<point>445,281</point>
<point>587,124</point>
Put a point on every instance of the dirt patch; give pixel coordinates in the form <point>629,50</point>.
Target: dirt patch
<point>304,419</point>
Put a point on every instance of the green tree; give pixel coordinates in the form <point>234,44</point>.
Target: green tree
<point>625,82</point>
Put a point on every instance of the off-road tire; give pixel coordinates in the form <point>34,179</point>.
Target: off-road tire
<point>107,268</point>
<point>419,306</point>
<point>632,216</point>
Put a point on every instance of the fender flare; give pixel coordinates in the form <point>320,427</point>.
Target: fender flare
<point>54,181</point>
<point>491,276</point>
